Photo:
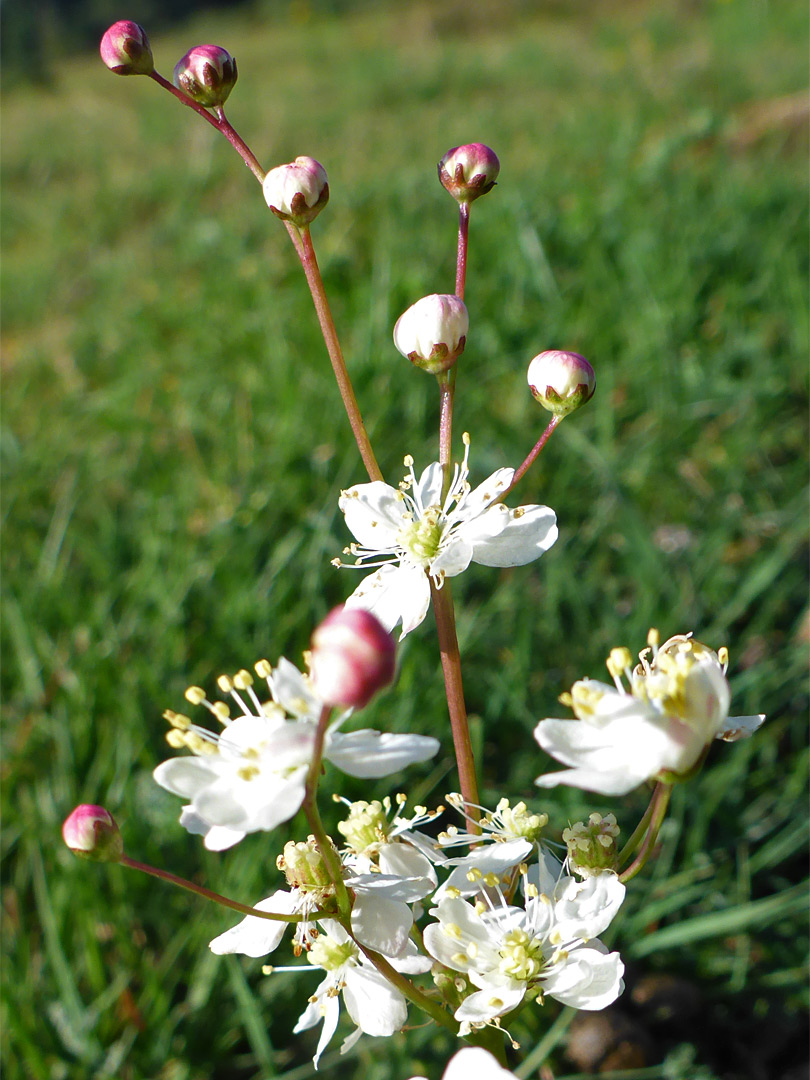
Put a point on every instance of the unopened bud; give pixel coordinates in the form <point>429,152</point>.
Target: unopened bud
<point>297,192</point>
<point>207,74</point>
<point>91,833</point>
<point>125,49</point>
<point>303,865</point>
<point>352,658</point>
<point>432,333</point>
<point>592,848</point>
<point>469,171</point>
<point>561,381</point>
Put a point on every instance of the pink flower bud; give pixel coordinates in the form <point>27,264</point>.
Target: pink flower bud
<point>432,333</point>
<point>91,833</point>
<point>352,657</point>
<point>561,381</point>
<point>297,192</point>
<point>469,171</point>
<point>207,73</point>
<point>125,49</point>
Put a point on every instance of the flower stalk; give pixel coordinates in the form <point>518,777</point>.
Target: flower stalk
<point>309,261</point>
<point>533,455</point>
<point>207,894</point>
<point>658,811</point>
<point>407,988</point>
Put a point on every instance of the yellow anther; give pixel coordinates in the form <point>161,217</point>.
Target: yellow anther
<point>198,744</point>
<point>619,660</point>
<point>400,798</point>
<point>225,684</point>
<point>177,720</point>
<point>532,891</point>
<point>722,655</point>
<point>221,711</point>
<point>247,772</point>
<point>566,699</point>
<point>474,875</point>
<point>453,930</point>
<point>491,880</point>
<point>452,892</point>
<point>461,959</point>
<point>472,950</point>
<point>267,969</point>
<point>176,739</point>
<point>653,638</point>
<point>407,461</point>
<point>195,695</point>
<point>242,680</point>
<point>465,438</point>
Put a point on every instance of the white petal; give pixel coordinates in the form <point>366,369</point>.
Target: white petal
<point>371,754</point>
<point>382,925</point>
<point>429,488</point>
<point>390,886</point>
<point>216,837</point>
<point>706,698</point>
<point>449,948</point>
<point>331,1013</point>
<point>454,559</point>
<point>584,909</point>
<point>529,531</point>
<point>484,1005</point>
<point>739,727</point>
<point>293,692</point>
<point>481,497</point>
<point>394,594</point>
<point>256,937</point>
<point>496,859</point>
<point>373,1003</point>
<point>590,978</point>
<point>185,776</point>
<point>405,861</point>
<point>374,514</point>
<point>475,1063</point>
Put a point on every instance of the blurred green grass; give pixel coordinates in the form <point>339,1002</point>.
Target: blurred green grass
<point>173,449</point>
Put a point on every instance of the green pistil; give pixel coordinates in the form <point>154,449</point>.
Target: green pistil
<point>422,537</point>
<point>365,826</point>
<point>330,954</point>
<point>521,957</point>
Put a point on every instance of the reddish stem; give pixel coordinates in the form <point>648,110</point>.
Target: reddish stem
<point>220,123</point>
<point>521,471</point>
<point>461,252</point>
<point>327,323</point>
<point>454,688</point>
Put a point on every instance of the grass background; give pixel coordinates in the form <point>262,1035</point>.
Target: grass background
<point>173,449</point>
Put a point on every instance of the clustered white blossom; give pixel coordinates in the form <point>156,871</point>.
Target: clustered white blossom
<point>505,924</point>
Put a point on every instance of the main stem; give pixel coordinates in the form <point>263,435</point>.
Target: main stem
<point>451,669</point>
<point>219,122</point>
<point>306,253</point>
<point>223,901</point>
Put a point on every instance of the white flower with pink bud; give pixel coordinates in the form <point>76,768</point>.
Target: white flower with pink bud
<point>206,74</point>
<point>352,657</point>
<point>125,49</point>
<point>298,191</point>
<point>432,333</point>
<point>469,171</point>
<point>561,381</point>
<point>91,833</point>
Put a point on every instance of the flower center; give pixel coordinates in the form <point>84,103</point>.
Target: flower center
<point>521,956</point>
<point>517,821</point>
<point>365,826</point>
<point>330,954</point>
<point>421,538</point>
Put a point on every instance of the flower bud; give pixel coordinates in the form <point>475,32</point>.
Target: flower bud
<point>469,171</point>
<point>592,848</point>
<point>91,833</point>
<point>561,381</point>
<point>207,74</point>
<point>352,658</point>
<point>303,865</point>
<point>297,192</point>
<point>432,333</point>
<point>125,49</point>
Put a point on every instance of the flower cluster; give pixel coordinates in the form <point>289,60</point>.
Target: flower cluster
<point>383,899</point>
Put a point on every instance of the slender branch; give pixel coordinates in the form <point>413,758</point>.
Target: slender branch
<point>461,251</point>
<point>310,808</point>
<point>315,282</point>
<point>223,901</point>
<point>660,802</point>
<point>534,453</point>
<point>638,833</point>
<point>451,669</point>
<point>219,122</point>
<point>407,988</point>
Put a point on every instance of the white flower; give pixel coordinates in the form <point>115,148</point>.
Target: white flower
<point>433,331</point>
<point>548,947</point>
<point>413,535</point>
<point>677,703</point>
<point>515,835</point>
<point>373,1003</point>
<point>251,777</point>
<point>298,190</point>
<point>473,1063</point>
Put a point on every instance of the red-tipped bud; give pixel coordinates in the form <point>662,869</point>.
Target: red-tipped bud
<point>561,381</point>
<point>432,333</point>
<point>352,658</point>
<point>91,833</point>
<point>469,171</point>
<point>125,49</point>
<point>298,191</point>
<point>207,74</point>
